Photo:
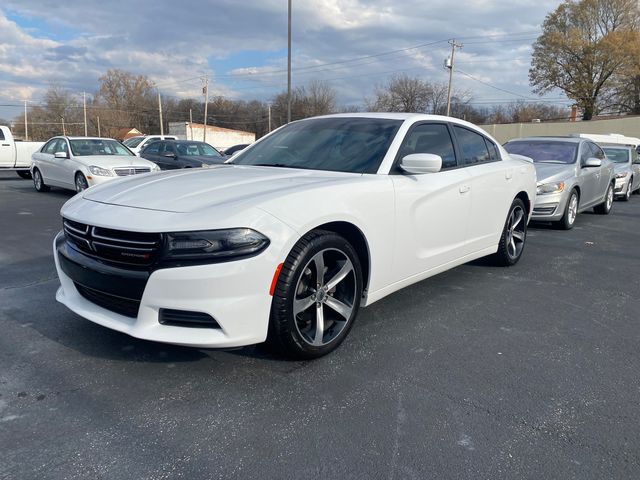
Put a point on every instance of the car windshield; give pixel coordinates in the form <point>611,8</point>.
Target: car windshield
<point>97,146</point>
<point>133,142</point>
<point>617,155</point>
<point>189,149</point>
<point>342,144</point>
<point>544,151</point>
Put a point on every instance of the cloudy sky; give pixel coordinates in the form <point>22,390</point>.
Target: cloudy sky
<point>351,44</point>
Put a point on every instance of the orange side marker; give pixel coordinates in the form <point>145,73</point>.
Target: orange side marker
<point>275,279</point>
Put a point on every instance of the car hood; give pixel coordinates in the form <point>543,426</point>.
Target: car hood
<point>191,190</point>
<point>621,167</point>
<point>114,161</point>
<point>550,172</point>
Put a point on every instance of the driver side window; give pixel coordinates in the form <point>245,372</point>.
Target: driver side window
<point>49,147</point>
<point>430,138</point>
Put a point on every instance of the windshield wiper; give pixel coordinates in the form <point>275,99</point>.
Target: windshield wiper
<point>280,165</point>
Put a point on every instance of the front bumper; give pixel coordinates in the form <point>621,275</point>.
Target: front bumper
<point>235,294</point>
<point>550,207</point>
<point>622,184</point>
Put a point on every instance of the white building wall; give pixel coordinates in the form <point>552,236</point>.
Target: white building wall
<point>220,138</point>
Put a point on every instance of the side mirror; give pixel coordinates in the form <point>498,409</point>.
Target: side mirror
<point>593,162</point>
<point>61,155</point>
<point>418,163</point>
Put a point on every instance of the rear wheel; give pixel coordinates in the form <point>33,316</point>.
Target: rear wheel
<point>317,296</point>
<point>38,182</point>
<point>570,212</point>
<point>513,236</point>
<point>605,207</point>
<point>81,182</point>
<point>26,174</point>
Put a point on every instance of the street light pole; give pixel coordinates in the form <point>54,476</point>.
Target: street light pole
<point>160,113</point>
<point>84,106</point>
<point>206,103</point>
<point>289,65</point>
<point>26,125</point>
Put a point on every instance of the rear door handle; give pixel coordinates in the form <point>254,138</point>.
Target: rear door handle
<point>464,188</point>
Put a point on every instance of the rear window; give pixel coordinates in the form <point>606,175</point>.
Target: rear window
<point>617,155</point>
<point>544,151</point>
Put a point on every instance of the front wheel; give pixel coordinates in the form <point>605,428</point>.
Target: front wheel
<point>627,195</point>
<point>570,212</point>
<point>605,207</point>
<point>81,182</point>
<point>317,296</point>
<point>514,235</point>
<point>38,182</point>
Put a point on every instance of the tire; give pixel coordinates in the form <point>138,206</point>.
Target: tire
<point>570,211</point>
<point>81,182</point>
<point>38,181</point>
<point>514,235</point>
<point>26,174</point>
<point>627,194</point>
<point>316,298</point>
<point>605,207</point>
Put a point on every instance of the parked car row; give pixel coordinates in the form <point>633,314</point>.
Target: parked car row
<point>286,240</point>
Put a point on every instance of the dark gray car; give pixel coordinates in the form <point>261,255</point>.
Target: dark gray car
<point>173,154</point>
<point>574,175</point>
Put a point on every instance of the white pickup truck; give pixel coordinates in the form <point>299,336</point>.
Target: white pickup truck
<point>16,156</point>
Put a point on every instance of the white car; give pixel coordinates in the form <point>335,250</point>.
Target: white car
<point>286,243</point>
<point>77,163</point>
<point>137,144</point>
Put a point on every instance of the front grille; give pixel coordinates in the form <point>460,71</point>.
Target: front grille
<point>184,318</point>
<point>119,246</point>
<point>124,306</point>
<point>126,171</point>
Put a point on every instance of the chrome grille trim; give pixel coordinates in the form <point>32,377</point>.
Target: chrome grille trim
<point>126,171</point>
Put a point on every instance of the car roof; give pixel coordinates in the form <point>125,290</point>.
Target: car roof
<point>87,138</point>
<point>551,139</point>
<point>621,146</point>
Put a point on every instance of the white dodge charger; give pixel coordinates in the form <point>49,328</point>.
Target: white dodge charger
<point>288,241</point>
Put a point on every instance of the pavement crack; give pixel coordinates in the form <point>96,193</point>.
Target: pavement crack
<point>30,284</point>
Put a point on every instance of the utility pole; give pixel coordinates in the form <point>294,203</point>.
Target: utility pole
<point>26,126</point>
<point>99,126</point>
<point>160,113</point>
<point>206,103</point>
<point>64,130</point>
<point>269,118</point>
<point>84,106</point>
<point>449,64</point>
<point>289,66</point>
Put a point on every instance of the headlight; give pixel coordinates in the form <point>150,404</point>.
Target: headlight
<point>550,188</point>
<point>101,172</point>
<point>205,165</point>
<point>214,245</point>
<point>155,168</point>
<point>622,175</point>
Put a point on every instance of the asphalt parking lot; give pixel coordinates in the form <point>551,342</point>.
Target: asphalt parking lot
<point>480,372</point>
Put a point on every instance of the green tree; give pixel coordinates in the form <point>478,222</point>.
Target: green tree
<point>582,46</point>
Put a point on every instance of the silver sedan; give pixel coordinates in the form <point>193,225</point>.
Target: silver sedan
<point>627,167</point>
<point>574,175</point>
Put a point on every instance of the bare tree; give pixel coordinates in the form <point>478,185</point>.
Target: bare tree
<point>582,46</point>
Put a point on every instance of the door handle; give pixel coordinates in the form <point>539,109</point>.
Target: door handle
<point>6,144</point>
<point>464,188</point>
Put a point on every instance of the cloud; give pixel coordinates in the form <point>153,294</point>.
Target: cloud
<point>175,43</point>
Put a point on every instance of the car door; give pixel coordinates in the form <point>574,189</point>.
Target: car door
<point>46,161</point>
<point>635,167</point>
<point>171,159</point>
<point>604,171</point>
<point>62,169</point>
<point>7,152</point>
<point>589,178</point>
<point>491,192</point>
<point>152,153</point>
<point>432,209</point>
